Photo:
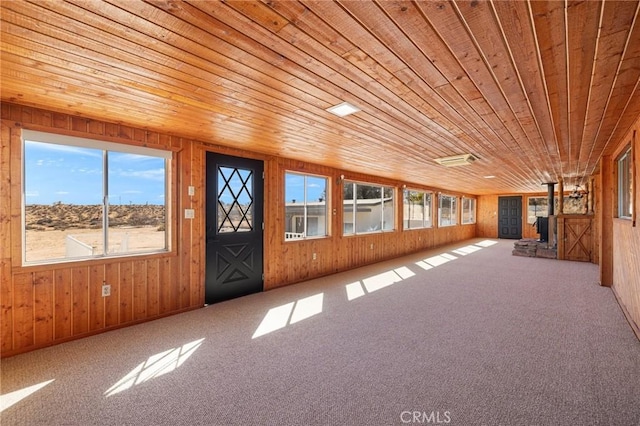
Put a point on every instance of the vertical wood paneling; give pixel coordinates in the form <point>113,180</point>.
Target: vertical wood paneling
<point>80,297</point>
<point>43,303</point>
<point>140,291</point>
<point>96,301</point>
<point>153,287</point>
<point>63,326</point>
<point>7,302</point>
<point>112,303</point>
<point>50,304</point>
<point>23,324</point>
<point>125,293</point>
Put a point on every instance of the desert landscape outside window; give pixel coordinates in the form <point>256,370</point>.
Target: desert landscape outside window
<point>84,199</point>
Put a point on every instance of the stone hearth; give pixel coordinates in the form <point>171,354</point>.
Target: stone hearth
<point>530,247</point>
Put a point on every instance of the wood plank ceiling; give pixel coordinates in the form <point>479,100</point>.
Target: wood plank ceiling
<point>537,90</point>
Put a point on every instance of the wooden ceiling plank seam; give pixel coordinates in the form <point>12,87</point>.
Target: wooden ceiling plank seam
<point>417,150</point>
<point>588,101</point>
<point>523,89</point>
<point>512,18</point>
<point>431,90</point>
<point>475,105</point>
<point>491,71</point>
<point>615,31</point>
<point>424,91</point>
<point>387,42</point>
<point>568,90</point>
<point>613,87</point>
<point>386,81</point>
<point>173,97</point>
<point>582,24</point>
<point>545,84</point>
<point>150,88</point>
<point>407,137</point>
<point>524,165</point>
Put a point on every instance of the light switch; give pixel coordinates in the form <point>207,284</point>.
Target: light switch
<point>191,190</point>
<point>189,214</point>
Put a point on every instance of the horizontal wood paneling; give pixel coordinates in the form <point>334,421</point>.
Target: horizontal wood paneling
<point>45,304</point>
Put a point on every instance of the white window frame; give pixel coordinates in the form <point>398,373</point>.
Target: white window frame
<point>290,236</point>
<point>472,210</point>
<point>453,219</point>
<point>625,184</point>
<point>354,209</point>
<point>427,207</point>
<point>104,146</point>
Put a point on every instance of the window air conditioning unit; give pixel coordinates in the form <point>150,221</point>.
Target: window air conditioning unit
<point>456,160</point>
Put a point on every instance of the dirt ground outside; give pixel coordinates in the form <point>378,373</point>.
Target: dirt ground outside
<point>52,244</point>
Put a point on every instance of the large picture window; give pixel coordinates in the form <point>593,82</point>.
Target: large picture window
<point>86,199</point>
<point>468,210</point>
<point>305,206</point>
<point>367,208</point>
<point>447,210</point>
<point>417,209</point>
<point>625,185</point>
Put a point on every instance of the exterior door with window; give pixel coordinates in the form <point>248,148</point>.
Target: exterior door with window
<point>510,217</point>
<point>234,230</point>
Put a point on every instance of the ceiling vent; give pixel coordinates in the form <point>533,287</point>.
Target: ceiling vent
<point>456,160</point>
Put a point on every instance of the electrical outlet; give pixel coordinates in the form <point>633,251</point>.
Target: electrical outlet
<point>314,256</point>
<point>371,246</point>
<point>106,290</point>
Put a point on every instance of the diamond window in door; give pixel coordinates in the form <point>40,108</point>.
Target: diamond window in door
<point>235,200</point>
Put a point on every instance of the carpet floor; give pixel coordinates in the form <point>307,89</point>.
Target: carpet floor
<point>462,335</point>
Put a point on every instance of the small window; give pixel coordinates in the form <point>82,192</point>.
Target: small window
<point>468,210</point>
<point>625,185</point>
<point>86,199</point>
<point>367,208</point>
<point>447,211</point>
<point>305,206</point>
<point>417,209</point>
<point>537,207</point>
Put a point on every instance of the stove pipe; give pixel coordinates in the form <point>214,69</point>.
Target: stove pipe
<point>550,188</point>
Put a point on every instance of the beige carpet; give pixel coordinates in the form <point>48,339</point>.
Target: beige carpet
<point>464,335</point>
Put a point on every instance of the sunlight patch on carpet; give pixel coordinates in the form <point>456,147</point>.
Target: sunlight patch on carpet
<point>155,366</point>
<point>463,251</point>
<point>11,398</point>
<point>486,243</point>
<point>289,313</point>
<point>440,259</point>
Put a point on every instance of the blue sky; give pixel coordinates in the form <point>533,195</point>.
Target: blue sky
<point>74,175</point>
<point>294,187</point>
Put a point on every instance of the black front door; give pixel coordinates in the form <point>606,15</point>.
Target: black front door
<point>510,217</point>
<point>234,230</point>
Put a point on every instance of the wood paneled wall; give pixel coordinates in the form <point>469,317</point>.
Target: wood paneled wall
<point>47,304</point>
<point>625,238</point>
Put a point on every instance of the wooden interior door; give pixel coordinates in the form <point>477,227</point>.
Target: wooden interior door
<point>575,238</point>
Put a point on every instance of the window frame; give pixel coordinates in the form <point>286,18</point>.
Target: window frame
<point>463,209</point>
<point>625,184</point>
<point>305,216</point>
<point>354,222</point>
<point>454,199</point>
<point>106,147</point>
<point>424,209</point>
